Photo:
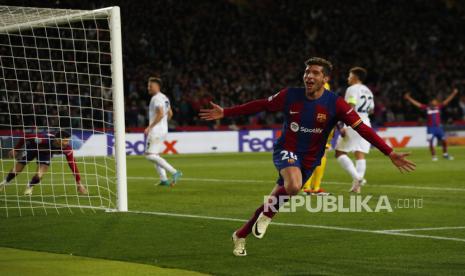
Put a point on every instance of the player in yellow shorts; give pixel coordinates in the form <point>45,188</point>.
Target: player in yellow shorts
<point>312,186</point>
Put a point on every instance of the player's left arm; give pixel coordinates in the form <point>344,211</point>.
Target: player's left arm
<point>455,91</point>
<point>348,115</point>
<point>68,152</point>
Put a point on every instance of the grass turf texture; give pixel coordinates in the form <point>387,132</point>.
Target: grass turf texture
<point>204,245</point>
<point>25,262</point>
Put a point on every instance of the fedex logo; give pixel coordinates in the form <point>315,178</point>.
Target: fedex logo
<point>402,142</point>
<point>135,145</point>
<point>257,140</point>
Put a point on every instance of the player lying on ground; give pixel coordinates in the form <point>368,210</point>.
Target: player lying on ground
<point>42,147</point>
<point>361,99</point>
<point>433,126</point>
<point>310,114</point>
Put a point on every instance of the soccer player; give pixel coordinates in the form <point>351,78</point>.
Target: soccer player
<point>433,126</point>
<point>310,115</point>
<point>361,99</point>
<point>159,114</point>
<point>42,147</point>
<point>313,184</point>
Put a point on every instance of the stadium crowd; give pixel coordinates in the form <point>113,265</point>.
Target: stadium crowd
<point>237,50</point>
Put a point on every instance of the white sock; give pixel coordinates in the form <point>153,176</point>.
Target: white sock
<point>161,172</point>
<point>155,158</point>
<point>349,166</point>
<point>361,167</point>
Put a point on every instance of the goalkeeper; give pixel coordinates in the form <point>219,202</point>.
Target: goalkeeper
<point>42,147</point>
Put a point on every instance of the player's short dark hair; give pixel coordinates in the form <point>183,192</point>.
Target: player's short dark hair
<point>327,66</point>
<point>156,80</point>
<point>360,72</point>
<point>63,134</point>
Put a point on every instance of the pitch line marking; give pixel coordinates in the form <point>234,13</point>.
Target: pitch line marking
<point>426,229</point>
<point>381,232</point>
<point>329,182</point>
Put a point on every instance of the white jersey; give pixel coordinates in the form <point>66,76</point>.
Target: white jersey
<point>361,97</point>
<point>159,100</point>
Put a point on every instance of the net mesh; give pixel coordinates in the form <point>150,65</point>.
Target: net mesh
<point>55,74</point>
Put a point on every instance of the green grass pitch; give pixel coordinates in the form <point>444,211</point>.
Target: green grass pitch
<point>189,226</point>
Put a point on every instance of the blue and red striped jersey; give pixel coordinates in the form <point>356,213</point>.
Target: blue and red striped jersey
<point>44,142</point>
<point>434,115</point>
<point>308,123</point>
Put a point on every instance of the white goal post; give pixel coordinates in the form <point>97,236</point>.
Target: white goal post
<point>58,68</point>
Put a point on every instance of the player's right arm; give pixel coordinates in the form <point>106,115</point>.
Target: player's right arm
<point>413,101</point>
<point>272,103</point>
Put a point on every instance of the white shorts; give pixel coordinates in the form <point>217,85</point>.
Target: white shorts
<point>352,141</point>
<point>154,143</point>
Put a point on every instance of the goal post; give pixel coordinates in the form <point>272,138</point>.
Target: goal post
<point>62,69</point>
<point>118,107</point>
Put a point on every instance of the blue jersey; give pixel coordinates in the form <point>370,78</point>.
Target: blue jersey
<point>307,125</point>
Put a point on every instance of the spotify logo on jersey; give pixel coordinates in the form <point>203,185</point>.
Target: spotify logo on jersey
<point>294,126</point>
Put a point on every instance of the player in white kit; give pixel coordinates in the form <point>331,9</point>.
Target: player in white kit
<point>361,99</point>
<point>159,114</point>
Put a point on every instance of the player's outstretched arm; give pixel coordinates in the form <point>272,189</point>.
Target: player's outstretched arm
<point>272,103</point>
<point>409,98</point>
<point>455,91</point>
<point>214,113</point>
<point>399,160</point>
<point>348,115</point>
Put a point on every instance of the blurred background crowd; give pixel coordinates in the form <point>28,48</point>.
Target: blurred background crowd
<point>238,50</point>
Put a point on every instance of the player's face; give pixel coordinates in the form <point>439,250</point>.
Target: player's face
<point>351,79</point>
<point>314,79</point>
<point>153,88</point>
<point>434,102</point>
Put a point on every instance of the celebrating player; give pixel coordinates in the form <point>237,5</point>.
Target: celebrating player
<point>310,115</point>
<point>313,184</point>
<point>159,114</point>
<point>433,127</point>
<point>42,147</point>
<point>361,99</point>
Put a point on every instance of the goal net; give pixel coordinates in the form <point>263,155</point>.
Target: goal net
<point>61,74</point>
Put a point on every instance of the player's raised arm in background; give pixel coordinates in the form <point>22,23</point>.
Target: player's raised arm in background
<point>272,103</point>
<point>449,98</point>
<point>347,114</point>
<point>413,101</point>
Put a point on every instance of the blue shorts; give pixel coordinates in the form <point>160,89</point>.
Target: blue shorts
<point>433,132</point>
<point>283,159</point>
<point>43,156</point>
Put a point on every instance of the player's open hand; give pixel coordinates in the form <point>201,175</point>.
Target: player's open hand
<point>214,113</point>
<point>407,95</point>
<point>400,161</point>
<point>12,153</point>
